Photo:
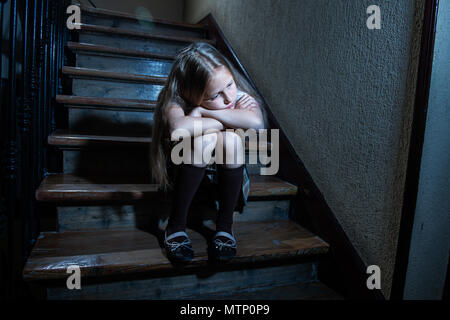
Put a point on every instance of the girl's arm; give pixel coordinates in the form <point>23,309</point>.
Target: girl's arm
<point>236,118</point>
<point>178,120</point>
<point>247,114</point>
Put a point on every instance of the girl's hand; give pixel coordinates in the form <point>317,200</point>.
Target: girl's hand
<point>246,102</point>
<point>196,112</point>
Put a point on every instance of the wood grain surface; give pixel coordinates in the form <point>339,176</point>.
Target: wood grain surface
<point>70,187</point>
<point>88,47</point>
<point>92,73</point>
<point>101,253</point>
<point>140,34</point>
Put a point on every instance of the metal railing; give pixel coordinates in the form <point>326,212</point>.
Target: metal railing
<point>34,54</point>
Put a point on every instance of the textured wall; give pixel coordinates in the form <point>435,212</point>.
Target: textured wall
<point>427,265</point>
<point>195,10</point>
<point>343,94</point>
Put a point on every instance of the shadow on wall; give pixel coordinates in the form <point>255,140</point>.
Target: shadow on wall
<point>166,10</point>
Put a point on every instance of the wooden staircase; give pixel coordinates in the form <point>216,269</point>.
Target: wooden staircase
<point>111,218</point>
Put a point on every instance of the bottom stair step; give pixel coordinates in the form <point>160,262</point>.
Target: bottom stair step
<point>298,291</point>
<point>122,257</point>
<point>213,286</point>
<point>130,251</point>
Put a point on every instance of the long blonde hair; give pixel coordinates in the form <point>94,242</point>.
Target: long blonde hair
<point>185,86</point>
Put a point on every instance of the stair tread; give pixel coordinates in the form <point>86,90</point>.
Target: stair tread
<point>94,73</point>
<point>140,34</point>
<point>77,139</point>
<point>140,104</point>
<point>131,251</point>
<point>72,187</point>
<point>106,12</point>
<point>70,138</point>
<point>88,47</point>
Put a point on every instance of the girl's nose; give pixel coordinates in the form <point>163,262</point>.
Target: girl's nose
<point>226,98</point>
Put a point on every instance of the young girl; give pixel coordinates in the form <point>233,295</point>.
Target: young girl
<point>202,86</point>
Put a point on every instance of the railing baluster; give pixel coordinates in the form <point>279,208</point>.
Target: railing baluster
<point>11,154</point>
<point>34,168</point>
<point>4,250</point>
<point>1,42</point>
<point>52,61</point>
<point>40,121</point>
<point>24,125</point>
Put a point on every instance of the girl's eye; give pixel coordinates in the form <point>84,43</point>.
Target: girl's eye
<point>230,84</point>
<point>212,98</point>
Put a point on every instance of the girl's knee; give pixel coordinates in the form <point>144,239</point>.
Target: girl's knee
<point>203,147</point>
<point>203,142</point>
<point>232,146</point>
<point>231,140</point>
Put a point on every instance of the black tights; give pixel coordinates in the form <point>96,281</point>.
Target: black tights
<point>187,182</point>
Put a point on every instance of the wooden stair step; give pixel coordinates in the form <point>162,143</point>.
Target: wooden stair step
<point>140,34</point>
<point>107,103</point>
<point>300,291</point>
<point>77,72</point>
<point>118,14</point>
<point>74,139</point>
<point>93,48</point>
<point>70,139</point>
<point>130,252</point>
<point>71,188</point>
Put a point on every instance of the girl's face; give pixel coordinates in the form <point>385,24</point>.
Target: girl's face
<point>221,91</point>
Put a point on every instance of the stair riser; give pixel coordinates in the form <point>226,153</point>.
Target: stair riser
<point>115,160</point>
<point>115,89</point>
<point>117,122</point>
<point>108,161</point>
<point>147,26</point>
<point>127,42</point>
<point>190,286</point>
<point>124,64</point>
<point>150,216</point>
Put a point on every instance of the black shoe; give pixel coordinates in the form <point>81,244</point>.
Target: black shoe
<point>178,251</point>
<point>223,251</point>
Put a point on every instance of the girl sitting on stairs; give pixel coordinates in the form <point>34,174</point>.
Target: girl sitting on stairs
<point>202,87</point>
